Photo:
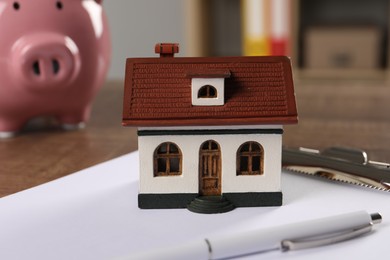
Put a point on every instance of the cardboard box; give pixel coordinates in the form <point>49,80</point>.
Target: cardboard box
<point>351,47</point>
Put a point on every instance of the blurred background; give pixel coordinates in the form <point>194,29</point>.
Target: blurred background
<point>325,38</point>
<point>340,55</point>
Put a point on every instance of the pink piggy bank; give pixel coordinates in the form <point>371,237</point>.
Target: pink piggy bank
<point>54,57</point>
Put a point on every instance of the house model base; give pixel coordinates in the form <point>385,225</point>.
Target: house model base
<point>209,129</point>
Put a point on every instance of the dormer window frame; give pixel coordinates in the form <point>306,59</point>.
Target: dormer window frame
<point>211,80</point>
<point>207,91</point>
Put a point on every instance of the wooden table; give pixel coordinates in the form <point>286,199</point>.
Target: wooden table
<point>349,113</point>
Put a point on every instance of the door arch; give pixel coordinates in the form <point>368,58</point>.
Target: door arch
<point>210,169</point>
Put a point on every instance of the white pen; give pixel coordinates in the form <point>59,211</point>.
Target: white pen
<point>293,236</point>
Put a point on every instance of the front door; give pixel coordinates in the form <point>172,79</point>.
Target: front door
<point>210,169</point>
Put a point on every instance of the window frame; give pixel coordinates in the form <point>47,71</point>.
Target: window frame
<point>207,88</point>
<point>254,150</point>
<point>165,152</point>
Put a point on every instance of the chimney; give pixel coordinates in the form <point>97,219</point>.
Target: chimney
<point>166,49</point>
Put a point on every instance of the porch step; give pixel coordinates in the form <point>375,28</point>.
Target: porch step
<point>210,205</point>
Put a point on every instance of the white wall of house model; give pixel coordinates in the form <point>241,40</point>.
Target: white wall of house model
<point>188,181</point>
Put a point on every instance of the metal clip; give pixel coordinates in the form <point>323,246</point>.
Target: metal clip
<point>287,245</point>
<point>340,164</point>
<point>297,244</point>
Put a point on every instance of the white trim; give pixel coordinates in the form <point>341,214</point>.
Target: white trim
<point>227,127</point>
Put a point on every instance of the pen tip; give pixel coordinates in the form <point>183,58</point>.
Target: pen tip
<point>376,218</point>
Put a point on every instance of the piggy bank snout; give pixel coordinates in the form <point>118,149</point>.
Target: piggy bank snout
<point>45,60</point>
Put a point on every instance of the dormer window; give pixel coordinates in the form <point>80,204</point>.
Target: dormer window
<point>207,91</point>
<point>208,87</point>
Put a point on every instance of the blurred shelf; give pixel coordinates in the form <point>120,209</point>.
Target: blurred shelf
<point>214,28</point>
<point>358,74</point>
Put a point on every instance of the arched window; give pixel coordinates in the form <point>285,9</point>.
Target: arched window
<point>207,91</point>
<point>250,157</point>
<point>167,160</point>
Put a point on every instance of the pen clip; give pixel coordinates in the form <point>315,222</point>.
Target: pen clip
<point>297,244</point>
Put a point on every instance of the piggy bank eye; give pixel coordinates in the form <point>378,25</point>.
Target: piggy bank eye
<point>16,6</point>
<point>59,5</point>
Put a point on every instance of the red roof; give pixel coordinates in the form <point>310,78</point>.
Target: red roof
<point>258,90</point>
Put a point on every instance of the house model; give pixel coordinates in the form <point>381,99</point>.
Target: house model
<point>209,128</point>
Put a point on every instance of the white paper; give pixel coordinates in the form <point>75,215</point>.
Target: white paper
<point>93,214</point>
